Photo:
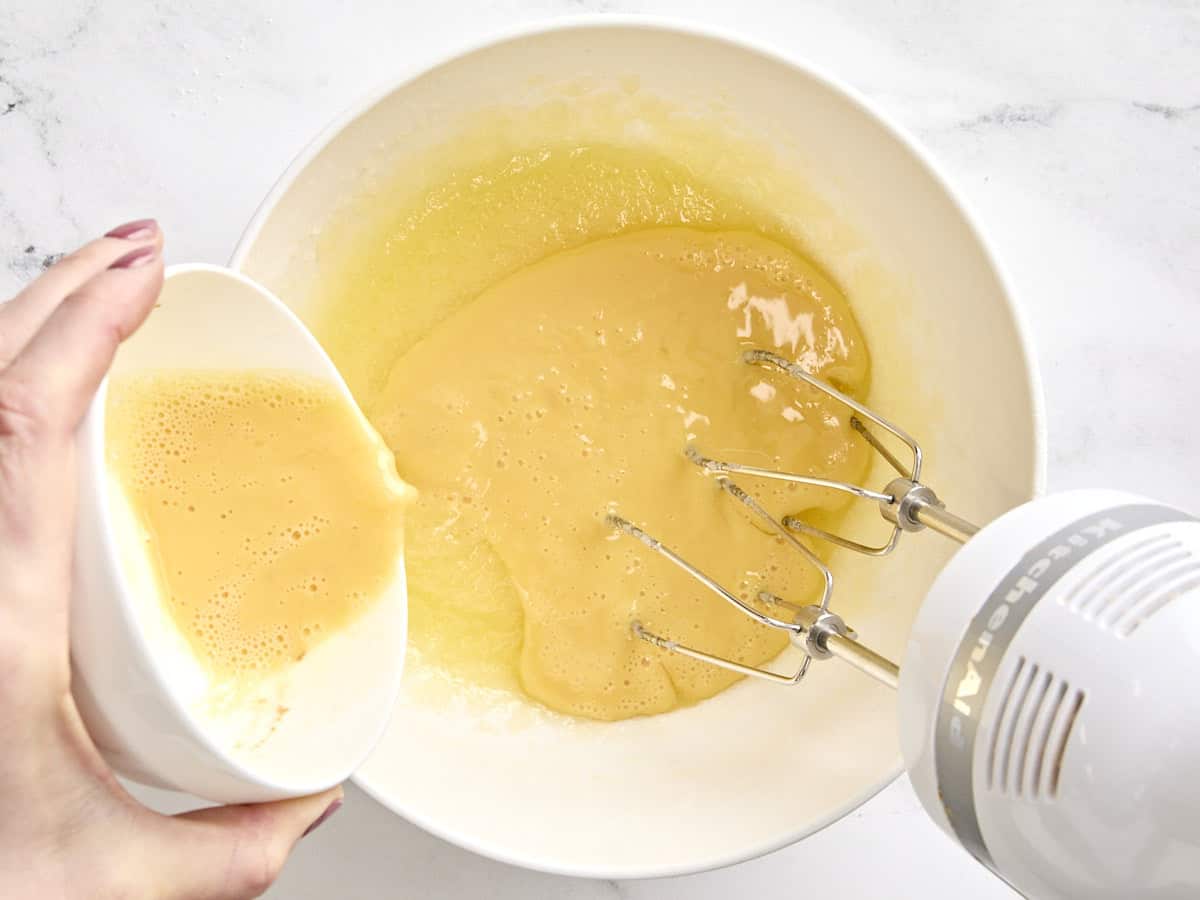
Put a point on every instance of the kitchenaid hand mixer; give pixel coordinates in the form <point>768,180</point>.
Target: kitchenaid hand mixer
<point>1048,714</point>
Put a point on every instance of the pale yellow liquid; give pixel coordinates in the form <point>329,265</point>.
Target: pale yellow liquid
<point>273,516</point>
<point>531,371</point>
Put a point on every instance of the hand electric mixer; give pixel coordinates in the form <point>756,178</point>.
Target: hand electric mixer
<point>1048,716</point>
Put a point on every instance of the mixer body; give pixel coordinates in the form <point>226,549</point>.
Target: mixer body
<point>1049,712</point>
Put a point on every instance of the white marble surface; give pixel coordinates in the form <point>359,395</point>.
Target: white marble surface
<point>1071,127</point>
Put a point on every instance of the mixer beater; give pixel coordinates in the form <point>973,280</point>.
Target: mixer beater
<point>905,502</point>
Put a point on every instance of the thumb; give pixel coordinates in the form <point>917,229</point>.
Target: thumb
<point>232,852</point>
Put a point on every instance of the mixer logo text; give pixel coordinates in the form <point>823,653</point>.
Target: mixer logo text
<point>1028,585</point>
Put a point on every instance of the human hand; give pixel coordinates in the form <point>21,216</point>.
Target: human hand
<point>70,829</point>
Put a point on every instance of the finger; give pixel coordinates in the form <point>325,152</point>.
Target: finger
<point>43,395</point>
<point>53,379</point>
<point>22,316</point>
<point>232,852</point>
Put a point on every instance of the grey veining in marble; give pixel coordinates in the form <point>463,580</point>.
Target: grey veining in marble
<point>1071,128</point>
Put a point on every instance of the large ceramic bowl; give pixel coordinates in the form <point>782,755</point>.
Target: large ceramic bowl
<point>759,766</point>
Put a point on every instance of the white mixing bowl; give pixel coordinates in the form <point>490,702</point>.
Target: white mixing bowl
<point>759,766</point>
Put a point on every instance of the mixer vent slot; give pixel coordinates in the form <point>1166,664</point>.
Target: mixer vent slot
<point>1135,583</point>
<point>1034,724</point>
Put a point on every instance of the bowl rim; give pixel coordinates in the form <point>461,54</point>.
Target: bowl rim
<point>93,449</point>
<point>731,37</point>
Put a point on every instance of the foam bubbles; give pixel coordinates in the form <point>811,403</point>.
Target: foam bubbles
<point>272,517</point>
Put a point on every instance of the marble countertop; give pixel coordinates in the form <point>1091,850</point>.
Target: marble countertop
<point>1071,127</point>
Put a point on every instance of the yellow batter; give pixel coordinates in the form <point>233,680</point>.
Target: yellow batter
<point>273,515</point>
<point>537,342</point>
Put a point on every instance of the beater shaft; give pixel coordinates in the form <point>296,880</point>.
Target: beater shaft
<point>864,659</point>
<point>912,506</point>
<point>945,523</point>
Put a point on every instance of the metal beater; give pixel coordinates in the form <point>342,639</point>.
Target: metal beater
<point>906,503</point>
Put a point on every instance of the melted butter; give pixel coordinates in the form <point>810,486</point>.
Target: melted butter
<point>537,339</point>
<point>273,517</point>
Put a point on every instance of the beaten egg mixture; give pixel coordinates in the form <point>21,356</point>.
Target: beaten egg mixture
<point>537,341</point>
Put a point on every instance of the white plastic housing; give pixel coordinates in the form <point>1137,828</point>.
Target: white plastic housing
<point>1049,712</point>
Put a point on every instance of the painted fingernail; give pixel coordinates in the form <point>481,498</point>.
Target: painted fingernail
<point>137,230</point>
<point>135,258</point>
<point>329,811</point>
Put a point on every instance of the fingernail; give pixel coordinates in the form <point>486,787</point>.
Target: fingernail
<point>135,258</point>
<point>329,811</point>
<point>137,230</point>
